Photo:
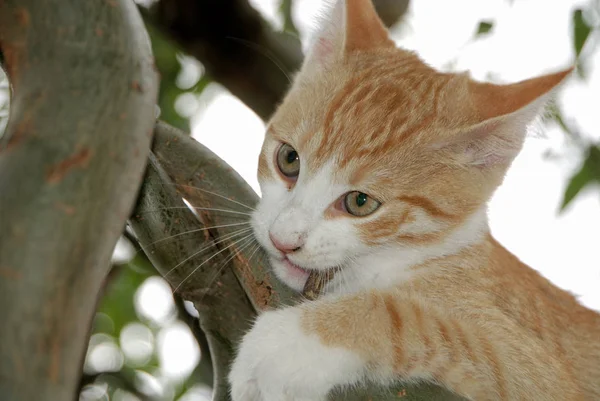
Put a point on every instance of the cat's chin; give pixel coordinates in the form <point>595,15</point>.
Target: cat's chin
<point>290,274</point>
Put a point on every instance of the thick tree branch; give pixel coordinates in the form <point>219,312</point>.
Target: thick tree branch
<point>239,49</point>
<point>230,288</point>
<point>203,372</point>
<point>391,11</point>
<point>71,161</point>
<point>172,218</point>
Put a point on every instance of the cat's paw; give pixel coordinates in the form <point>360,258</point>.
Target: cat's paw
<point>279,361</point>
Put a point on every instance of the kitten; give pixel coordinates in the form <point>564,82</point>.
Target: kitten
<point>381,168</point>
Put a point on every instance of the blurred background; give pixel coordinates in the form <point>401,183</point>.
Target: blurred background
<point>145,342</point>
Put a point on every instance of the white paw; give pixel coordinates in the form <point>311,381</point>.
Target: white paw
<point>277,361</point>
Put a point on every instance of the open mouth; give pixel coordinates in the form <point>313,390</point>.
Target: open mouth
<point>310,282</point>
<point>295,270</point>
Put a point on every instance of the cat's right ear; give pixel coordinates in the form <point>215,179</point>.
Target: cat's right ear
<point>499,117</point>
<point>345,27</point>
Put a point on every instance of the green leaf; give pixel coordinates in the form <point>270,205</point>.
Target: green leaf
<point>484,28</point>
<point>118,300</point>
<point>581,31</point>
<point>166,59</point>
<point>285,8</point>
<point>555,114</point>
<point>588,173</point>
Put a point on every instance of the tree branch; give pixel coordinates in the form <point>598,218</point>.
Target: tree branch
<point>391,11</point>
<point>173,219</point>
<point>235,45</point>
<point>71,161</point>
<point>239,49</point>
<point>230,288</point>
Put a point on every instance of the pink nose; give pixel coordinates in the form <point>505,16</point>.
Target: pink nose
<point>285,247</point>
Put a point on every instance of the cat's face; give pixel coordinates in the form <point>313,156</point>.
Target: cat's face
<point>373,155</point>
<point>346,173</point>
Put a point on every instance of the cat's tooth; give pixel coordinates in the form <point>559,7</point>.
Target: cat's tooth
<point>315,283</point>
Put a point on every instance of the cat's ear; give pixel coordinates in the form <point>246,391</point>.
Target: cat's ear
<point>364,29</point>
<point>348,26</point>
<point>500,116</point>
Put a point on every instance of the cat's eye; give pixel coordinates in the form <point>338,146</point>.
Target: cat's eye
<point>288,161</point>
<point>360,204</point>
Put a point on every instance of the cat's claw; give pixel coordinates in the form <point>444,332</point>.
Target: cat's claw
<point>277,361</point>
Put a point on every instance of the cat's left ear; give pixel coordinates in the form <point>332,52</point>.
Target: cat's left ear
<point>499,116</point>
<point>348,26</point>
<point>364,30</point>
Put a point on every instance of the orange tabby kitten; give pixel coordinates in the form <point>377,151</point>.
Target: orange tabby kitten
<point>379,167</point>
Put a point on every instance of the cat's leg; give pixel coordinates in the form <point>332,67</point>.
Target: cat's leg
<point>279,360</point>
<point>479,354</point>
<point>301,353</point>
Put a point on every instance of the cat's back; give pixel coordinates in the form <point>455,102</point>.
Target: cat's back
<point>566,328</point>
<point>489,276</point>
<point>488,285</point>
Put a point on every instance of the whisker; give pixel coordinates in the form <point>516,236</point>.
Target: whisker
<point>223,265</point>
<point>253,252</point>
<point>196,208</point>
<point>216,194</point>
<point>344,286</point>
<point>350,273</point>
<point>262,51</point>
<point>207,260</point>
<point>144,248</point>
<point>224,238</point>
<point>338,284</point>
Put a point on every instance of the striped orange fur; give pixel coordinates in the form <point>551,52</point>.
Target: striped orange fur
<point>422,291</point>
<point>481,323</point>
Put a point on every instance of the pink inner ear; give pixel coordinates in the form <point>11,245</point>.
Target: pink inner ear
<point>323,49</point>
<point>489,143</point>
<point>481,157</point>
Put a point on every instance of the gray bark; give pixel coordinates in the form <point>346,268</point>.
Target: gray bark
<point>71,160</point>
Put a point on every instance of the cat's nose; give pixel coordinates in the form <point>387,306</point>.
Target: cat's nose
<point>286,247</point>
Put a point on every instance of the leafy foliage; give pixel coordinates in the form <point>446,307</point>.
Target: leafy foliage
<point>168,59</point>
<point>588,174</point>
<point>118,301</point>
<point>484,28</point>
<point>581,31</point>
<point>285,8</point>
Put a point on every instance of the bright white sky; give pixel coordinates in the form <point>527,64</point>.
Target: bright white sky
<point>530,37</point>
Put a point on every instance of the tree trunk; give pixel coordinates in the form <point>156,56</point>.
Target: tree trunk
<point>71,160</point>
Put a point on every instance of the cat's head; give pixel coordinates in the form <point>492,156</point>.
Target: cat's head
<point>374,151</point>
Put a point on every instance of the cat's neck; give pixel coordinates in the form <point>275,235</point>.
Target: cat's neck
<point>392,266</point>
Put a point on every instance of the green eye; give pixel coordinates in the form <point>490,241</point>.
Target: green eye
<point>288,161</point>
<point>360,204</point>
